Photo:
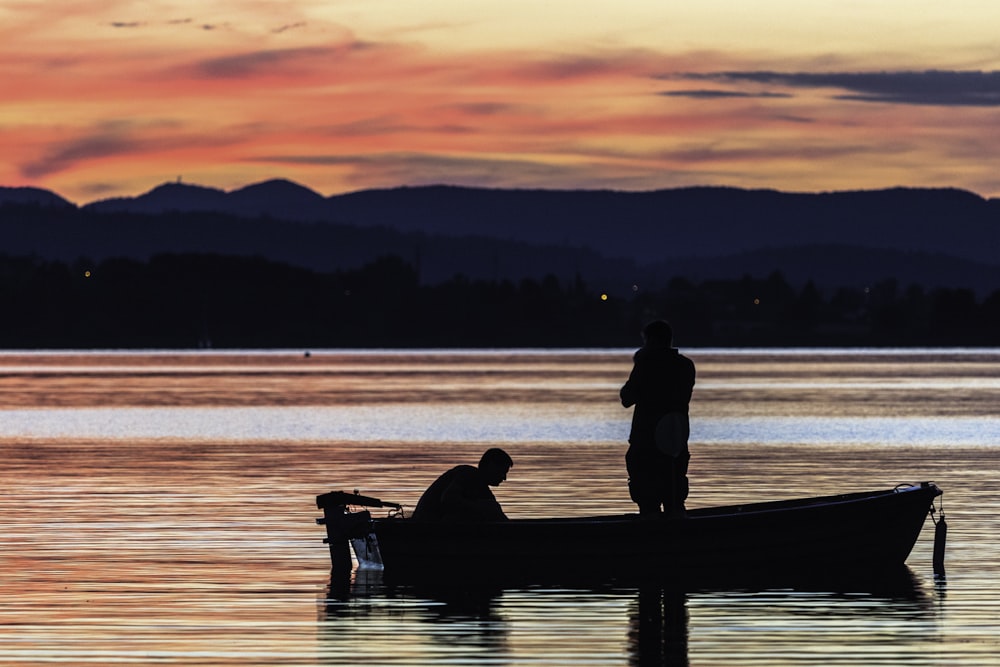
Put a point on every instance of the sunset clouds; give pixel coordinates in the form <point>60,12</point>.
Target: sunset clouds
<point>110,98</point>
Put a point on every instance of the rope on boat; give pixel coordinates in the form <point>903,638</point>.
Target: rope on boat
<point>940,536</point>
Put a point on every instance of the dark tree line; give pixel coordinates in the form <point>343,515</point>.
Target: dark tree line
<point>191,300</point>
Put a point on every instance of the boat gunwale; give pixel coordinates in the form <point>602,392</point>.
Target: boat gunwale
<point>724,511</point>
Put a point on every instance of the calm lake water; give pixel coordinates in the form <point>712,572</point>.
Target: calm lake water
<point>158,508</point>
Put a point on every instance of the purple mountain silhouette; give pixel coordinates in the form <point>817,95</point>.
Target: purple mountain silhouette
<point>641,226</point>
<point>924,236</point>
<point>35,196</point>
<point>165,198</point>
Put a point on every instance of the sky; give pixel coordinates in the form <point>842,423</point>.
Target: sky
<point>106,98</point>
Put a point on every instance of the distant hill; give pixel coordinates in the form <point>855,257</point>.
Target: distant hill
<point>644,226</point>
<point>933,237</point>
<point>280,199</point>
<point>685,224</point>
<point>33,196</point>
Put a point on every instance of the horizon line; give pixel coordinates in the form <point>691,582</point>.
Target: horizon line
<point>456,186</point>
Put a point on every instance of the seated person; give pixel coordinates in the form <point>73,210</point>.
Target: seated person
<point>463,493</point>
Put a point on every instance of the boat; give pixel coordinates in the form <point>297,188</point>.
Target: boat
<point>859,533</point>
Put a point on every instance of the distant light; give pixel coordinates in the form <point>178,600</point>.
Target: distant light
<point>604,297</point>
<point>635,288</point>
<point>86,274</point>
<point>756,302</point>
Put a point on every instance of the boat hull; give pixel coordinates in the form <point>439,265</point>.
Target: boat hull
<point>859,533</point>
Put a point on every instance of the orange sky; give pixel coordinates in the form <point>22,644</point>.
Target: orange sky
<point>107,98</point>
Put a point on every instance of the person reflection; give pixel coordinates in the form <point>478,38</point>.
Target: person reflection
<point>462,621</point>
<point>658,628</point>
<point>463,493</point>
<point>660,387</point>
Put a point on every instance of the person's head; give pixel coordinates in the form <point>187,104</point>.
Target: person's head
<point>658,333</point>
<point>494,464</point>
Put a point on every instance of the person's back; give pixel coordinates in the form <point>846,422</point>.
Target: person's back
<point>463,493</point>
<point>660,387</point>
<point>661,382</point>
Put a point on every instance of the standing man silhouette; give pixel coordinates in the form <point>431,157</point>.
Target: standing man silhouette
<point>659,387</point>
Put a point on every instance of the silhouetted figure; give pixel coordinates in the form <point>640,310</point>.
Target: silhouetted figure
<point>659,387</point>
<point>463,493</point>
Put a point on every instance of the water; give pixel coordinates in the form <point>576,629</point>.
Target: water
<point>158,507</point>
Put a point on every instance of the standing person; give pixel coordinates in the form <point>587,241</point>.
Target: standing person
<point>463,492</point>
<point>659,387</point>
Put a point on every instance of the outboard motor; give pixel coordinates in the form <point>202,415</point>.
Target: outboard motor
<point>344,527</point>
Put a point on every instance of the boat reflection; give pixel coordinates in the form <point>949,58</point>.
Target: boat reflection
<point>369,619</point>
<point>658,627</point>
<point>360,595</point>
<point>650,619</point>
<point>659,616</point>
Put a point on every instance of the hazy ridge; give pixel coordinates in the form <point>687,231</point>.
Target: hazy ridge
<point>931,237</point>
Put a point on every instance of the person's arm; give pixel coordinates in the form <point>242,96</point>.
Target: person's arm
<point>465,496</point>
<point>629,393</point>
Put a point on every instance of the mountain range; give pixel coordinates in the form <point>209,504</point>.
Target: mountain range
<point>930,237</point>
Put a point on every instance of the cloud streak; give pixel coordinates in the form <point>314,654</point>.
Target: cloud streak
<point>712,94</point>
<point>392,169</point>
<point>258,63</point>
<point>925,88</point>
<point>116,140</point>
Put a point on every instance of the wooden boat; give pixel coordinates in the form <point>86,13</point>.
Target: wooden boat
<point>848,534</point>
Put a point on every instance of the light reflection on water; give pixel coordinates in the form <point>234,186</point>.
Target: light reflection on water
<point>475,422</point>
<point>158,509</point>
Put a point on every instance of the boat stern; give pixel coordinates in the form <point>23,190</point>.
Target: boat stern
<point>349,528</point>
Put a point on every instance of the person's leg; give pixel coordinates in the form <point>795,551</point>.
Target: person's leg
<point>680,484</point>
<point>643,482</point>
